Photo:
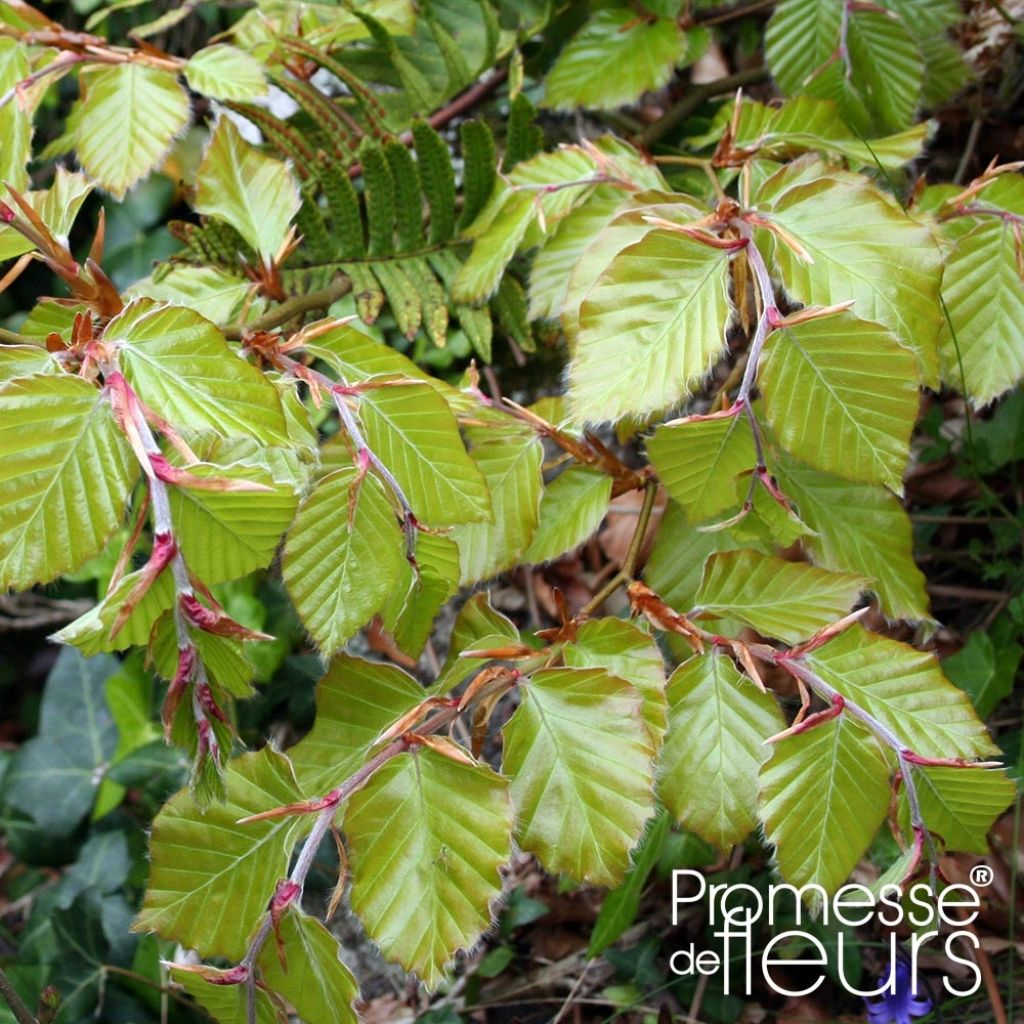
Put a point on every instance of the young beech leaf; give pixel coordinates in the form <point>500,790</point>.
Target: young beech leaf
<point>210,878</point>
<point>788,600</point>
<point>313,981</point>
<point>579,755</point>
<point>254,193</point>
<point>864,248</point>
<point>226,73</point>
<point>15,121</point>
<point>477,627</point>
<point>414,433</point>
<point>355,702</point>
<point>824,793</point>
<point>339,575</point>
<point>510,460</point>
<point>700,460</point>
<point>650,328</point>
<point>226,1004</point>
<point>906,691</point>
<point>128,116</point>
<point>625,651</point>
<point>643,53</point>
<point>960,805</point>
<point>840,394</point>
<point>718,722</point>
<point>66,472</point>
<point>573,505</point>
<point>982,290</point>
<point>859,529</point>
<point>426,838</point>
<point>184,370</point>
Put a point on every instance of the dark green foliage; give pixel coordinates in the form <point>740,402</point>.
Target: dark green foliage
<point>479,160</point>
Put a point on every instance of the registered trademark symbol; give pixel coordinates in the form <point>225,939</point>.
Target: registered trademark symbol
<point>981,874</point>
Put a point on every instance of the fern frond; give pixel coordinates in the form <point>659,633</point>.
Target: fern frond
<point>379,195</point>
<point>408,196</point>
<point>437,179</point>
<point>479,173</point>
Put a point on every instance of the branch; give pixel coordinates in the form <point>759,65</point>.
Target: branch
<point>294,307</point>
<point>692,100</point>
<point>22,1014</point>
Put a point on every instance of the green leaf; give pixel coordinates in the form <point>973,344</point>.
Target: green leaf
<point>859,529</point>
<point>413,432</point>
<point>982,290</point>
<point>226,1004</point>
<point>477,627</point>
<point>183,369</point>
<point>211,878</point>
<point>66,472</point>
<point>984,672</point>
<point>24,361</point>
<point>57,207</point>
<point>254,193</point>
<point>718,722</point>
<point>642,52</point>
<point>510,460</point>
<point>571,510</point>
<point>700,460</point>
<point>209,291</point>
<point>650,328</point>
<point>227,534</point>
<point>54,776</point>
<point>621,906</point>
<point>128,118</point>
<point>824,793</point>
<point>355,702</point>
<point>876,79</point>
<point>15,122</point>
<point>840,393</point>
<point>867,249</point>
<point>579,756</point>
<point>960,805</point>
<point>788,600</point>
<point>339,576</point>
<point>409,614</point>
<point>623,650</point>
<point>318,986</point>
<point>226,73</point>
<point>452,824</point>
<point>906,691</point>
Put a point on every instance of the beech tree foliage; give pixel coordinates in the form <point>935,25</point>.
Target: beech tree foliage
<point>241,411</point>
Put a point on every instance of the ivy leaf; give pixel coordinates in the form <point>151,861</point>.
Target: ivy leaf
<point>254,193</point>
<point>510,460</point>
<point>66,472</point>
<point>718,722</point>
<point>984,297</point>
<point>210,878</point>
<point>226,73</point>
<point>961,804</point>
<point>571,510</point>
<point>355,702</point>
<point>414,433</point>
<point>128,117</point>
<point>983,671</point>
<point>575,818</point>
<point>840,393</point>
<point>453,822</point>
<point>183,369</point>
<point>700,460</point>
<point>650,328</point>
<point>859,529</point>
<point>864,248</point>
<point>788,600</point>
<point>54,776</point>
<point>906,691</point>
<point>874,74</point>
<point>623,650</point>
<point>227,534</point>
<point>314,981</point>
<point>643,53</point>
<point>824,793</point>
<point>338,576</point>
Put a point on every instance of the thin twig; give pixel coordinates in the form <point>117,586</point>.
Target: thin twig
<point>22,1014</point>
<point>294,307</point>
<point>697,95</point>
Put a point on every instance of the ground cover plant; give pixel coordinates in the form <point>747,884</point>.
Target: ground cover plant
<point>458,456</point>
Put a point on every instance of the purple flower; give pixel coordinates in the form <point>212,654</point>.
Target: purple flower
<point>901,1005</point>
